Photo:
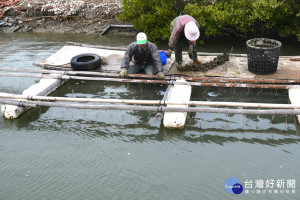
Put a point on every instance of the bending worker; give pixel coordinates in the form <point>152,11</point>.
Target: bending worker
<point>184,30</point>
<point>141,56</point>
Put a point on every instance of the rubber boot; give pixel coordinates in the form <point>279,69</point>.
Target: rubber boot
<point>197,61</point>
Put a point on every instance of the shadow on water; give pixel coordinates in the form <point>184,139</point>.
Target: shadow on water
<point>144,132</point>
<point>142,126</point>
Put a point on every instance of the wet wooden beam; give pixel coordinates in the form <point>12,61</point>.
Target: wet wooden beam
<point>167,77</point>
<point>216,84</point>
<point>114,26</point>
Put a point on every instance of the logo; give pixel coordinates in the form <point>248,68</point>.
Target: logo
<point>233,186</point>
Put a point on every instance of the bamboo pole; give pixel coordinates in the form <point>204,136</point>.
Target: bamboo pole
<point>71,73</point>
<point>160,115</point>
<point>65,77</point>
<point>295,59</point>
<point>168,77</point>
<point>150,102</point>
<point>153,108</point>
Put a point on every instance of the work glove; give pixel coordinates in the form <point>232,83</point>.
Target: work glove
<point>190,52</point>
<point>160,75</point>
<point>123,73</point>
<point>169,53</point>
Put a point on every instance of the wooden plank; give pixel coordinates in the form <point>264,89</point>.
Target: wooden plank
<point>114,26</point>
<point>63,57</point>
<point>105,30</point>
<point>236,67</point>
<point>42,88</point>
<point>176,120</point>
<point>113,58</point>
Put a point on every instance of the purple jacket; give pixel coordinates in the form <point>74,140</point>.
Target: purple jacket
<point>177,27</point>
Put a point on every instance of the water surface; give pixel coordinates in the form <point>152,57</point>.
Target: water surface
<point>63,153</point>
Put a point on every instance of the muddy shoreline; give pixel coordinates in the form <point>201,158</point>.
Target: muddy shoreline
<point>88,17</point>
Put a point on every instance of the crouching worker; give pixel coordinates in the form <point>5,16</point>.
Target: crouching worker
<point>184,30</point>
<point>141,56</point>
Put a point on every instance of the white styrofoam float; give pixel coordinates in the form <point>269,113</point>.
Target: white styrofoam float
<point>294,96</point>
<point>42,88</point>
<point>179,93</point>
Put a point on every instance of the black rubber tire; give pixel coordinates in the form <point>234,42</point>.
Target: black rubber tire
<point>86,62</point>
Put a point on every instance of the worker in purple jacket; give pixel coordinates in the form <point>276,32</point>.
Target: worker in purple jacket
<point>184,30</point>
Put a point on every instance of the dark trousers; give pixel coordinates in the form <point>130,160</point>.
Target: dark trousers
<point>182,41</point>
<point>136,69</point>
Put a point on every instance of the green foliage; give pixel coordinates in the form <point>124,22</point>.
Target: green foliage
<point>151,16</point>
<point>247,17</point>
<point>239,17</point>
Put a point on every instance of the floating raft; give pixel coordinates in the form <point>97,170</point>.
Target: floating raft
<point>288,67</point>
<point>233,73</point>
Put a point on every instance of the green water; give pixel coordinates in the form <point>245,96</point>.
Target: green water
<point>60,153</point>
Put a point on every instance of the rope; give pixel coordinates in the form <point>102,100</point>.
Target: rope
<point>171,80</point>
<point>21,103</point>
<point>30,97</point>
<point>159,107</point>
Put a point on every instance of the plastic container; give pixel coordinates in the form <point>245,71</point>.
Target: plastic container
<point>163,57</point>
<point>263,55</point>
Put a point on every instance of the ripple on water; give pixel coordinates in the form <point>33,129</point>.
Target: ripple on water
<point>60,153</point>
